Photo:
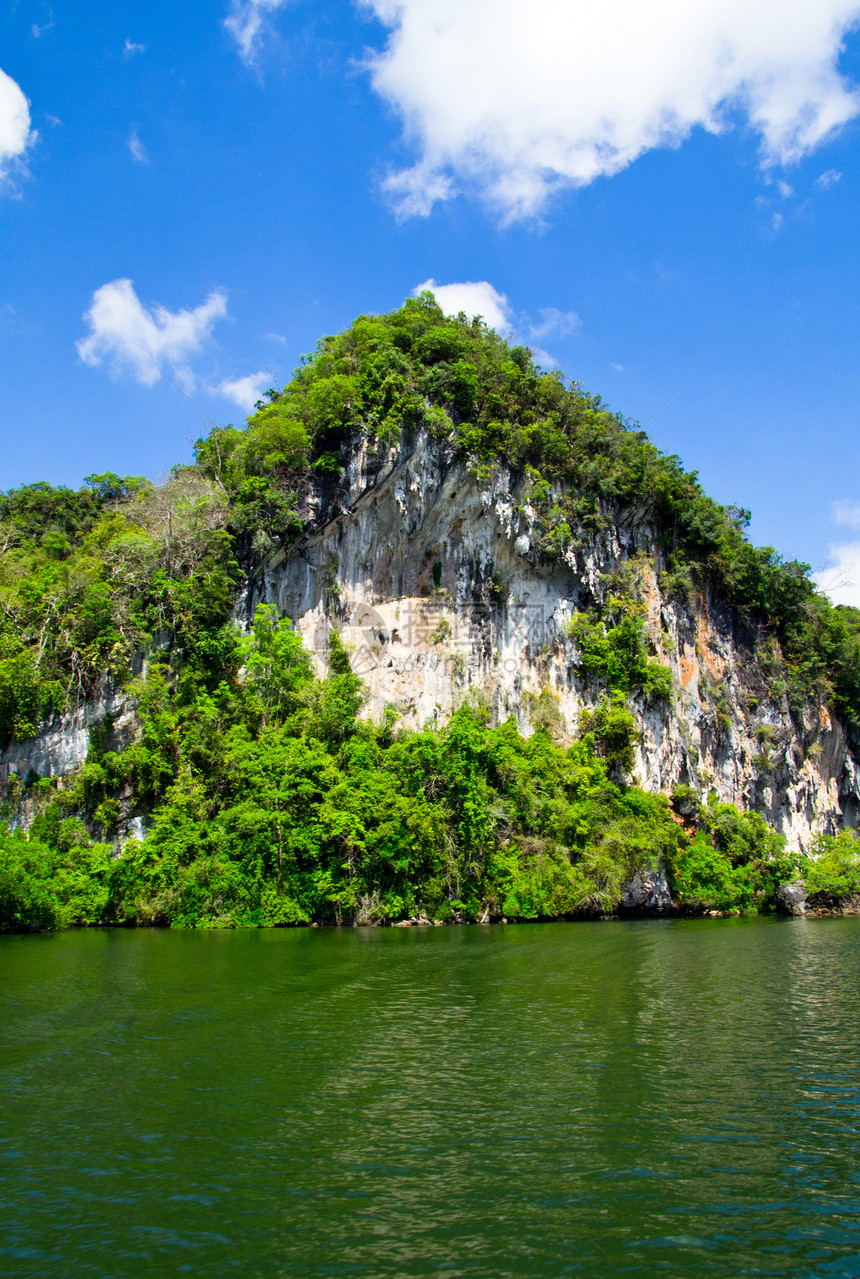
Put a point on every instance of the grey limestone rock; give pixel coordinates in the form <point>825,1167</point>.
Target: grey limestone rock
<point>647,893</point>
<point>791,899</point>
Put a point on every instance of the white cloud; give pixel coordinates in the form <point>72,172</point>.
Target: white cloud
<point>248,23</point>
<point>276,337</point>
<point>786,190</point>
<point>130,48</point>
<point>137,149</point>
<point>519,99</point>
<point>840,580</point>
<point>40,30</point>
<point>564,323</point>
<point>245,391</point>
<point>15,132</point>
<point>544,358</point>
<point>619,368</point>
<point>479,297</point>
<point>847,512</point>
<point>414,191</point>
<point>475,297</point>
<point>828,179</point>
<point>148,342</point>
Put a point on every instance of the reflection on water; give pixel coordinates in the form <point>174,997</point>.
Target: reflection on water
<point>608,1098</point>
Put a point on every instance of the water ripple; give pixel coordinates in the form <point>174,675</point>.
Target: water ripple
<point>536,1100</point>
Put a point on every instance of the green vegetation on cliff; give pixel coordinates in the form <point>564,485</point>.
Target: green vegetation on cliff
<point>272,802</point>
<point>88,578</point>
<point>266,798</point>
<point>832,872</point>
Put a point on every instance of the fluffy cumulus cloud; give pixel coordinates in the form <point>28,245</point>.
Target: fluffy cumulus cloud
<point>148,342</point>
<point>841,578</point>
<point>519,99</point>
<point>479,297</point>
<point>475,297</point>
<point>248,22</point>
<point>245,391</point>
<point>15,132</point>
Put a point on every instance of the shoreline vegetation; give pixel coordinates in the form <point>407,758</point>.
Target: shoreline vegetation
<point>267,798</point>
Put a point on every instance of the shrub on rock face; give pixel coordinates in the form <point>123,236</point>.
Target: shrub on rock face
<point>27,903</point>
<point>44,885</point>
<point>611,730</point>
<point>832,872</point>
<point>736,862</point>
<point>703,878</point>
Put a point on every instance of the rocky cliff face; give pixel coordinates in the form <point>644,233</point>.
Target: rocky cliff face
<point>438,580</point>
<point>62,748</point>
<point>63,745</point>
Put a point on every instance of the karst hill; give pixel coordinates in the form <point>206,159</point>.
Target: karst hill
<point>435,636</point>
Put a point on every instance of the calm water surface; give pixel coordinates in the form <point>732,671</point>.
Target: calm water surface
<point>600,1099</point>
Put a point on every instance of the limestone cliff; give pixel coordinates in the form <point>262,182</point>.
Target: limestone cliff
<point>437,578</point>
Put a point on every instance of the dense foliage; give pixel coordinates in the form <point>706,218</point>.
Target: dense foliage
<point>89,578</point>
<point>267,798</point>
<point>273,802</point>
<point>832,871</point>
<point>734,861</point>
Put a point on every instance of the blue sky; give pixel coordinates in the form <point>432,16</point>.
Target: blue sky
<point>646,204</point>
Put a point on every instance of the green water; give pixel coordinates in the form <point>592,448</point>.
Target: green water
<point>602,1099</point>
